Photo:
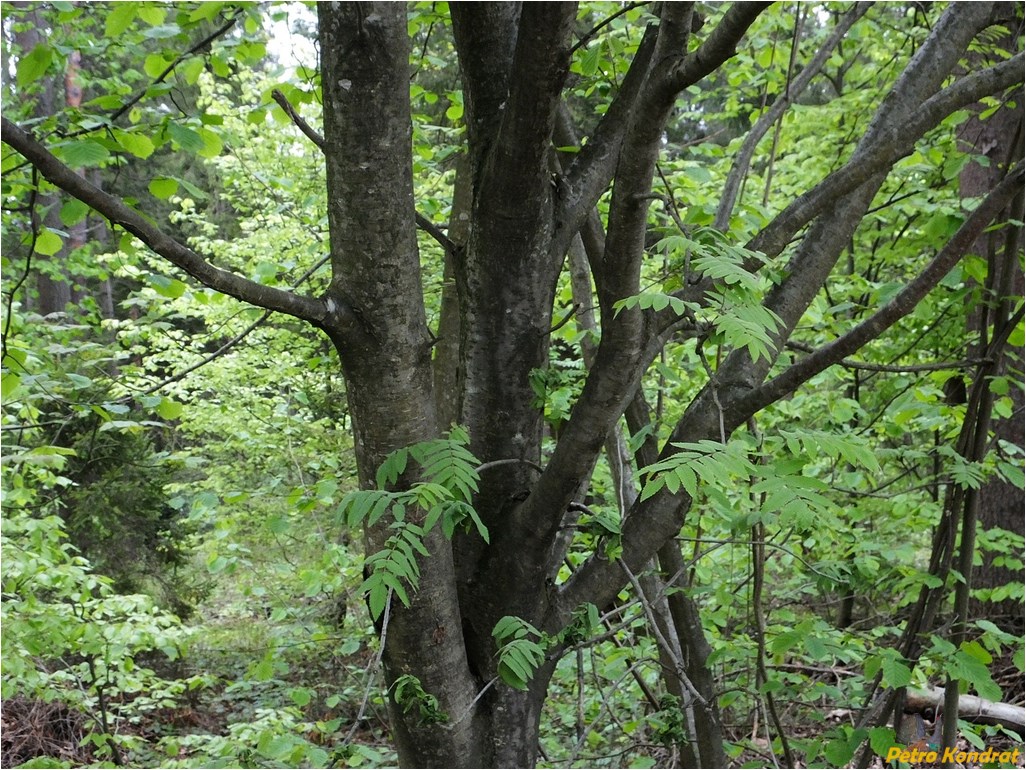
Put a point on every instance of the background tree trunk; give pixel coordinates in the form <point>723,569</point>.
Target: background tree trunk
<point>999,139</point>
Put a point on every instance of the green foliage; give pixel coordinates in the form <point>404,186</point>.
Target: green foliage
<point>69,636</point>
<point>229,478</point>
<point>394,564</point>
<point>654,301</point>
<point>557,386</point>
<point>410,694</point>
<point>710,461</point>
<point>602,528</point>
<point>450,478</point>
<point>584,623</point>
<point>667,723</point>
<point>518,654</point>
<point>116,512</point>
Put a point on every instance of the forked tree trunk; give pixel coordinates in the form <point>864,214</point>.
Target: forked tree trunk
<point>521,221</point>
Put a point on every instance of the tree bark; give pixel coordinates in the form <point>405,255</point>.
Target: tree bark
<point>54,291</point>
<point>999,139</point>
<point>379,327</point>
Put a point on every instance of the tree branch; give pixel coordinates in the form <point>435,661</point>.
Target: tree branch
<point>314,136</point>
<point>587,36</point>
<point>485,36</point>
<point>651,523</point>
<point>182,374</point>
<point>865,366</point>
<point>115,210</point>
<point>588,174</point>
<point>308,131</point>
<point>891,141</point>
<point>541,60</point>
<point>717,48</point>
<point>201,45</point>
<point>893,311</point>
<point>626,346</point>
<point>435,232</point>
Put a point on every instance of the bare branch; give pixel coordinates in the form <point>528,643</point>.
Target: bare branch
<point>200,46</point>
<point>587,36</point>
<point>115,210</point>
<point>887,148</point>
<point>314,136</point>
<point>34,227</point>
<point>588,175</point>
<point>865,366</point>
<point>717,48</point>
<point>435,232</point>
<point>309,131</point>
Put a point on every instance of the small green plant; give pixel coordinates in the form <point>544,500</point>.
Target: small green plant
<point>449,473</point>
<point>410,694</point>
<point>518,654</point>
<point>584,622</point>
<point>668,722</point>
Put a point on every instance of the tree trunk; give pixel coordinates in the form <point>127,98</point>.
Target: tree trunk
<point>999,139</point>
<point>377,321</point>
<point>53,292</point>
<point>521,219</point>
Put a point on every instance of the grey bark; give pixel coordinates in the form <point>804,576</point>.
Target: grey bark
<point>384,344</point>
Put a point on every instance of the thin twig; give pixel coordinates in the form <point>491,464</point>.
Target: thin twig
<point>470,707</point>
<point>587,36</point>
<point>375,662</point>
<point>229,344</point>
<point>848,363</point>
<point>566,319</point>
<point>512,461</point>
<point>171,67</point>
<point>314,136</point>
<point>28,259</point>
<point>678,663</point>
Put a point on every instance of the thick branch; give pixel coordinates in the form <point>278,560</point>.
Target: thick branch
<point>587,177</point>
<point>485,35</point>
<point>625,349</point>
<point>541,62</point>
<point>643,98</point>
<point>114,209</point>
<point>717,48</point>
<point>871,158</point>
<point>895,310</point>
<point>714,412</point>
